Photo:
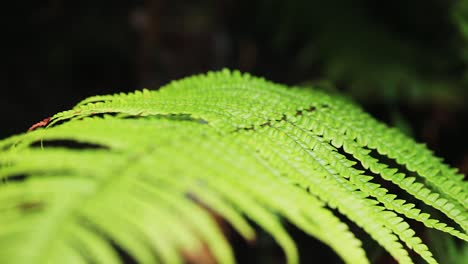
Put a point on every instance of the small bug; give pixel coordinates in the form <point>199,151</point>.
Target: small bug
<point>42,123</point>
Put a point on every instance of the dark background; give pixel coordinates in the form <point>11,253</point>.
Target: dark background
<point>406,62</point>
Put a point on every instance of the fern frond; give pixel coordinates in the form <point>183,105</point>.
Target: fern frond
<point>149,172</point>
<point>363,181</point>
<point>395,145</point>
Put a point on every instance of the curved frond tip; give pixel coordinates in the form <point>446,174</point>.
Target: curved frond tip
<point>158,174</point>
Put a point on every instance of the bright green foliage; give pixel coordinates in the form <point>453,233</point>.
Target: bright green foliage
<point>150,163</point>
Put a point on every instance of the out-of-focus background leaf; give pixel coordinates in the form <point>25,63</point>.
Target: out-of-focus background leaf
<point>406,62</point>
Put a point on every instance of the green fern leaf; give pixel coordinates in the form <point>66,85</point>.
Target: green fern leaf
<point>150,172</point>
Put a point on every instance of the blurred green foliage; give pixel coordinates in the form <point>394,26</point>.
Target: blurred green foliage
<point>448,250</point>
<point>414,51</point>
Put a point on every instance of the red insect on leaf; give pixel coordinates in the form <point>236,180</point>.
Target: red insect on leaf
<point>42,123</point>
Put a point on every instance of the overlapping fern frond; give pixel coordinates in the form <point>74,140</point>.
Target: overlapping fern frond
<point>138,172</point>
